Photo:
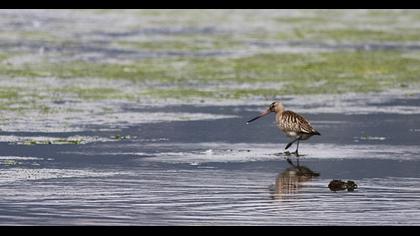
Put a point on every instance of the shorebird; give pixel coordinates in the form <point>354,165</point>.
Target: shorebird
<point>292,124</point>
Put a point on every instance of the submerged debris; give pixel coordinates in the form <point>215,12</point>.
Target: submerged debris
<point>121,137</point>
<point>338,185</point>
<point>54,141</point>
<point>44,140</point>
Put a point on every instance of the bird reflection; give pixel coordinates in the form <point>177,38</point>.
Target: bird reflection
<point>289,181</point>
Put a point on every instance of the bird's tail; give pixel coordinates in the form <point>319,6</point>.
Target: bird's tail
<point>316,133</point>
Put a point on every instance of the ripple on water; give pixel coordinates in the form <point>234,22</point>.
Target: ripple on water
<point>200,197</point>
<point>250,152</point>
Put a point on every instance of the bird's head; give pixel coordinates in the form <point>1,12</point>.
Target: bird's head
<point>274,107</point>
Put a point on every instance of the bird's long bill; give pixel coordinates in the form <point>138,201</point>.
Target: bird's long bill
<point>259,116</point>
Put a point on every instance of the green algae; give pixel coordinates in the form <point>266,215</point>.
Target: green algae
<point>342,72</point>
<point>96,93</point>
<point>8,93</point>
<point>30,36</point>
<point>214,57</point>
<point>362,35</point>
<point>310,34</point>
<point>56,141</point>
<point>302,73</point>
<point>178,93</point>
<point>186,43</point>
<point>188,76</point>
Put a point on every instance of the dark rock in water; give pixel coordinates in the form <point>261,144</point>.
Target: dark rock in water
<point>351,186</point>
<point>337,185</point>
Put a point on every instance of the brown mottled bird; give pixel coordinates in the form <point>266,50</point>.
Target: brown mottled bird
<point>294,125</point>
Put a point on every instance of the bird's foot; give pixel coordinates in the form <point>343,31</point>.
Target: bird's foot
<point>287,153</point>
<point>290,153</point>
<point>297,154</point>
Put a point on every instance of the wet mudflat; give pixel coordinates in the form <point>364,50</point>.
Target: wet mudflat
<point>137,117</point>
<point>219,172</point>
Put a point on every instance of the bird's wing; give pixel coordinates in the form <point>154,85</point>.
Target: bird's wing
<point>300,123</point>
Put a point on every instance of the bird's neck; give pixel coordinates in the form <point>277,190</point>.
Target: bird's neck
<point>279,108</point>
<point>278,116</point>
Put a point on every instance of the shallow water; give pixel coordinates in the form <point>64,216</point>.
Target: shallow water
<point>217,172</point>
<point>153,161</point>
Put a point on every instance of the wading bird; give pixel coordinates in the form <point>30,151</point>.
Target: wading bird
<point>294,125</point>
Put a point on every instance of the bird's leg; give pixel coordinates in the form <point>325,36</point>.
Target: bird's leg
<point>289,144</point>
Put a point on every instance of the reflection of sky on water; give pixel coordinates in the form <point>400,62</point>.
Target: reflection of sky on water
<point>216,172</point>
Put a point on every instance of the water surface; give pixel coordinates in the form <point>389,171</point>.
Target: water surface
<point>218,172</point>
